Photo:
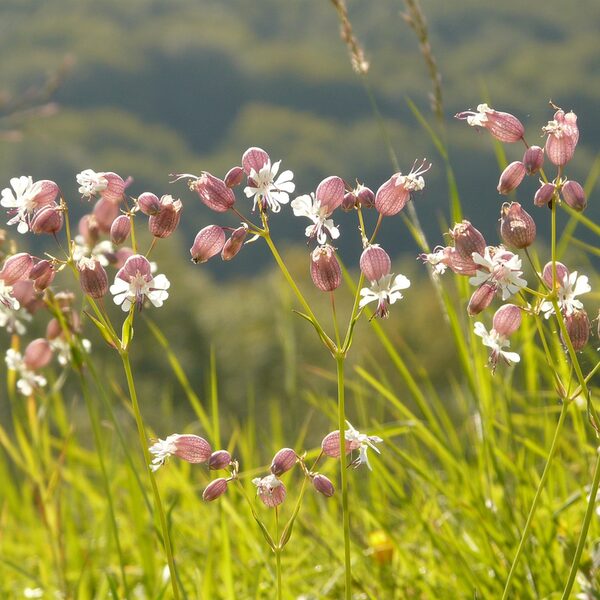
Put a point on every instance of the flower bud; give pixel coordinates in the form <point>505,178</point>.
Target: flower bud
<point>391,198</point>
<point>16,268</point>
<point>350,201</point>
<point>283,461</point>
<point>365,196</point>
<point>574,195</point>
<point>325,269</point>
<point>164,223</point>
<point>89,230</point>
<point>507,319</point>
<point>578,328</point>
<point>563,135</point>
<point>42,275</point>
<point>208,242</point>
<point>375,263</point>
<point>37,354</point>
<point>323,485</point>
<point>120,229</point>
<point>214,193</point>
<point>533,159</point>
<point>562,273</point>
<point>149,203</point>
<point>215,489</point>
<point>192,448</point>
<point>543,196</point>
<point>105,212</point>
<point>234,244</point>
<point>234,177</point>
<point>481,298</point>
<point>517,226</point>
<point>92,278</point>
<point>467,240</point>
<point>220,459</point>
<point>330,193</point>
<point>119,258</point>
<point>48,219</point>
<point>53,329</point>
<point>331,445</point>
<point>511,177</point>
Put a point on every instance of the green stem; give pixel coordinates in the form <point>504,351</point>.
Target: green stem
<point>584,531</point>
<point>278,555</point>
<point>144,444</point>
<point>340,358</point>
<point>534,505</point>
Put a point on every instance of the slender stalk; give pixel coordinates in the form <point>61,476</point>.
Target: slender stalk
<point>278,555</point>
<point>536,499</point>
<point>344,475</point>
<point>584,531</point>
<point>144,444</point>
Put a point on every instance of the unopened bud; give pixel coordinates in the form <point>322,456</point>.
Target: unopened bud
<point>481,298</point>
<point>89,230</point>
<point>120,229</point>
<point>578,328</point>
<point>331,445</point>
<point>544,194</point>
<point>38,354</point>
<point>325,269</point>
<point>208,242</point>
<point>283,461</point>
<point>467,240</point>
<point>365,196</point>
<point>92,278</point>
<point>507,319</point>
<point>105,211</point>
<point>330,193</point>
<point>234,244</point>
<point>323,485</point>
<point>375,263</point>
<point>511,177</point>
<point>562,273</point>
<point>215,489</point>
<point>214,193</point>
<point>53,329</point>
<point>16,268</point>
<point>533,159</point>
<point>42,275</point>
<point>164,223</point>
<point>149,203</point>
<point>49,219</point>
<point>234,177</point>
<point>517,226</point>
<point>574,195</point>
<point>350,201</point>
<point>220,459</point>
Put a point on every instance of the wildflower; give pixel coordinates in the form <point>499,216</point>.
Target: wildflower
<point>578,328</point>
<point>310,206</point>
<point>16,267</point>
<point>533,159</point>
<point>511,177</point>
<point>393,195</point>
<point>385,291</point>
<point>48,219</point>
<point>503,126</point>
<point>375,262</point>
<point>7,298</point>
<point>120,229</point>
<point>42,274</point>
<point>213,192</point>
<point>100,251</point>
<point>544,194</point>
<point>267,191</point>
<point>28,380</point>
<point>325,269</point>
<point>191,448</point>
<point>148,203</point>
<point>12,320</point>
<point>497,343</point>
<point>91,183</point>
<point>134,283</point>
<point>439,259</point>
<point>270,490</point>
<point>481,298</point>
<point>234,177</point>
<point>164,223</point>
<point>63,351</point>
<point>235,242</point>
<point>500,267</point>
<point>25,198</point>
<point>92,278</point>
<point>574,195</point>
<point>570,285</point>
<point>283,461</point>
<point>208,242</point>
<point>214,489</point>
<point>364,443</point>
<point>220,459</point>
<point>38,354</point>
<point>563,135</point>
<point>517,227</point>
<point>323,485</point>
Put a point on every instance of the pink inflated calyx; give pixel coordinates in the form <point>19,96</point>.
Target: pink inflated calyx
<point>577,324</point>
<point>375,263</point>
<point>573,195</point>
<point>48,219</point>
<point>220,459</point>
<point>507,319</point>
<point>254,159</point>
<point>394,194</point>
<point>330,193</point>
<point>92,278</point>
<point>502,125</point>
<point>213,192</point>
<point>165,222</point>
<point>235,243</point>
<point>517,226</point>
<point>234,177</point>
<point>283,461</point>
<point>533,159</point>
<point>511,177</point>
<point>16,268</point>
<point>38,354</point>
<point>323,485</point>
<point>105,211</point>
<point>331,445</point>
<point>42,275</point>
<point>115,189</point>
<point>325,269</point>
<point>149,203</point>
<point>208,242</point>
<point>562,273</point>
<point>481,298</point>
<point>563,135</point>
<point>544,194</point>
<point>270,490</point>
<point>120,229</point>
<point>214,489</point>
<point>467,240</point>
<point>192,448</point>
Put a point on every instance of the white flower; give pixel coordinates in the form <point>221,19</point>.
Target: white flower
<point>33,592</point>
<point>134,283</point>
<point>162,450</point>
<point>62,349</point>
<point>480,118</point>
<point>496,343</point>
<point>90,183</point>
<point>99,251</point>
<point>22,202</point>
<point>28,380</point>
<point>266,485</point>
<point>502,268</point>
<point>6,296</point>
<point>413,182</point>
<point>12,319</point>
<point>569,288</point>
<point>309,206</point>
<point>385,292</point>
<point>264,186</point>
<point>438,259</point>
<point>365,441</point>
